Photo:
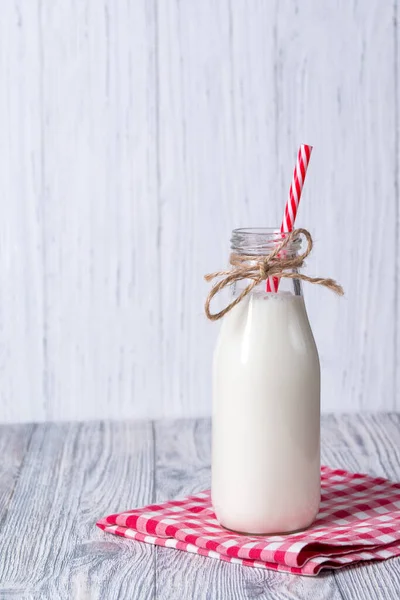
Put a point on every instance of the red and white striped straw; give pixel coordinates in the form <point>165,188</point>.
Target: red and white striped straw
<point>292,204</point>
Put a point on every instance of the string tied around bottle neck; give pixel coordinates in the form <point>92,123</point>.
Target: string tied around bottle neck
<point>275,264</point>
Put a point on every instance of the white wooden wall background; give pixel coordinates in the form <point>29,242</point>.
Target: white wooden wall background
<point>134,135</point>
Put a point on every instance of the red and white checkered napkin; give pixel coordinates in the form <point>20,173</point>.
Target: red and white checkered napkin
<point>359,520</point>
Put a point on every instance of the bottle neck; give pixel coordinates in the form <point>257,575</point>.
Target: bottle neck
<point>254,243</point>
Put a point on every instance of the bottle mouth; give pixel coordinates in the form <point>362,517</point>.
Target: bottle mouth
<point>256,241</point>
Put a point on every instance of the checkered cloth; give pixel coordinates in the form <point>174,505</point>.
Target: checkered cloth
<point>359,520</point>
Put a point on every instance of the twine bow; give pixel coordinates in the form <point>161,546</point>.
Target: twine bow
<point>260,268</point>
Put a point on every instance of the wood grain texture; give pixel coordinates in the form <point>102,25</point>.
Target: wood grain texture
<point>100,209</point>
<point>23,329</point>
<point>135,136</point>
<point>14,444</point>
<point>73,474</point>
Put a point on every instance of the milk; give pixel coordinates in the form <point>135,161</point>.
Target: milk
<point>266,417</point>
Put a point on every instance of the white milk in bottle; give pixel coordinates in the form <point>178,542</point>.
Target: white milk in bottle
<point>266,406</point>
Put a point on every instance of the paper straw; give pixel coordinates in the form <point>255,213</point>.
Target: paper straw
<point>292,204</point>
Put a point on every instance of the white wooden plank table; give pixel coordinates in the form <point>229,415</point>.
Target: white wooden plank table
<point>56,480</point>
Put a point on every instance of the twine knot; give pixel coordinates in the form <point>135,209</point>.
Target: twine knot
<point>264,268</point>
<point>258,269</point>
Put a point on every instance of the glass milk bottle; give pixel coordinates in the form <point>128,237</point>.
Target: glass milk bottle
<point>266,404</point>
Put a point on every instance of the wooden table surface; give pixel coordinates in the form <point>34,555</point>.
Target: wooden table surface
<point>56,480</point>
